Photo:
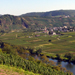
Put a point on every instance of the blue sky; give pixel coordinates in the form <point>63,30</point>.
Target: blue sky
<point>18,7</point>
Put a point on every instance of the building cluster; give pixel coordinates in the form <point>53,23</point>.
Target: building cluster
<point>63,29</point>
<point>57,30</point>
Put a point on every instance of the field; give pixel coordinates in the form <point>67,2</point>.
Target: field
<point>58,44</point>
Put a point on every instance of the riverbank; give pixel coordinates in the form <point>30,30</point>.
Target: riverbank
<point>60,57</point>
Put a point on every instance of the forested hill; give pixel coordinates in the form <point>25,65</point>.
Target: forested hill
<point>9,22</point>
<point>52,13</point>
<point>12,22</point>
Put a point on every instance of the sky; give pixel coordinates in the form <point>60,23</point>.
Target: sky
<point>18,7</point>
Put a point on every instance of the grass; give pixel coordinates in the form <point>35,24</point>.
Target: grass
<point>8,70</point>
<point>59,43</point>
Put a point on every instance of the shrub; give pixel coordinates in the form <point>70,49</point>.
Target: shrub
<point>69,56</point>
<point>0,50</point>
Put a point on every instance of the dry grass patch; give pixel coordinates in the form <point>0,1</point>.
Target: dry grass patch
<point>43,45</point>
<point>72,41</point>
<point>7,70</point>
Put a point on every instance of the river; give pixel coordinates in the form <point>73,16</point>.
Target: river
<point>68,66</point>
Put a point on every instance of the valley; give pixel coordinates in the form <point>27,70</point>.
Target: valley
<point>48,36</point>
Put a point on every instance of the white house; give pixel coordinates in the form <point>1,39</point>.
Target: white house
<point>54,33</point>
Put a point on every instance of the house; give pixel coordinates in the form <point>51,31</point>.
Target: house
<point>45,30</point>
<point>37,35</point>
<point>54,33</point>
<point>65,27</point>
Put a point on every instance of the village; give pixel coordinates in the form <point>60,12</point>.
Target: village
<point>48,31</point>
<point>56,30</point>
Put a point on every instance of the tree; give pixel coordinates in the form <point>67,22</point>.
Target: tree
<point>69,56</point>
<point>9,50</point>
<point>39,51</point>
<point>44,59</point>
<point>0,50</point>
<point>58,56</point>
<point>49,40</point>
<point>30,58</point>
<point>50,32</point>
<point>2,45</point>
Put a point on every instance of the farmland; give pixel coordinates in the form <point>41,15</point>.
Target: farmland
<point>24,43</point>
<point>58,44</point>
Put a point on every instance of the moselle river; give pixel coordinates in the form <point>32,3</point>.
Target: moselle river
<point>68,66</point>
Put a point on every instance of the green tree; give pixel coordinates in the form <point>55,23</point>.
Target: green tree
<point>0,50</point>
<point>8,49</point>
<point>58,56</point>
<point>39,51</point>
<point>69,56</point>
<point>2,44</point>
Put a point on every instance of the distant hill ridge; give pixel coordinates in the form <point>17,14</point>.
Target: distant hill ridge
<point>51,13</point>
<point>38,20</point>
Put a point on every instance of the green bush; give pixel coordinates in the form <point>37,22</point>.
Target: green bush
<point>15,60</point>
<point>0,50</point>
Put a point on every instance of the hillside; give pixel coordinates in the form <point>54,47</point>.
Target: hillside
<point>8,70</point>
<point>33,14</point>
<point>12,59</point>
<point>38,20</point>
<point>52,13</point>
<point>12,22</point>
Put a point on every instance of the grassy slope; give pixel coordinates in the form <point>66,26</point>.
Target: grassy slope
<point>7,70</point>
